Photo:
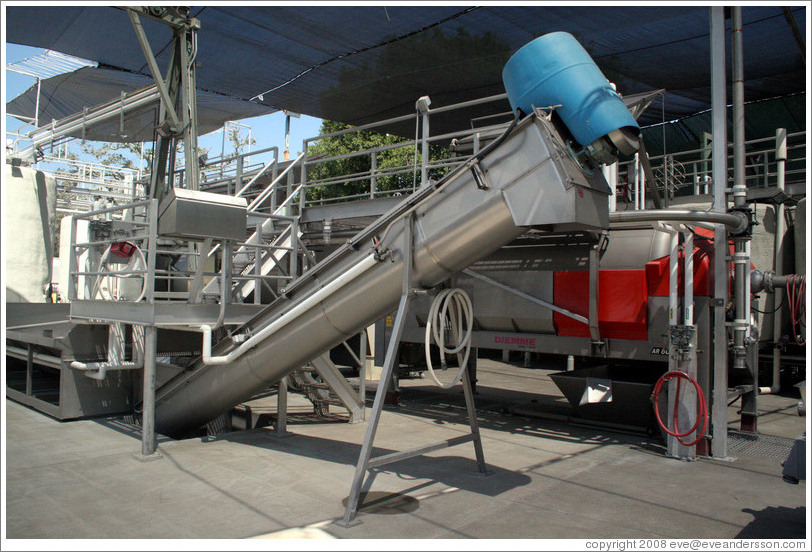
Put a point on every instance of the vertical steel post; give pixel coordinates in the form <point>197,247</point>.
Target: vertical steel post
<point>152,241</point>
<point>720,289</point>
<point>73,278</point>
<point>741,257</point>
<point>424,151</point>
<point>373,181</point>
<point>362,374</point>
<point>610,174</point>
<point>29,371</point>
<point>36,107</point>
<point>294,247</point>
<point>186,40</point>
<point>258,266</point>
<point>778,259</point>
<point>303,180</point>
<point>739,176</point>
<point>282,408</point>
<point>286,154</point>
<point>148,443</point>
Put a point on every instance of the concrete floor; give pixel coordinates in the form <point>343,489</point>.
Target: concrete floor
<point>550,479</point>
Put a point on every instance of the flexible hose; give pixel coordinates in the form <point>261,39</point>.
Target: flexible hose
<point>102,263</point>
<point>450,310</point>
<point>702,408</point>
<point>796,295</point>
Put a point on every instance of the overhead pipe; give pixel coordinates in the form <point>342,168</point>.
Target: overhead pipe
<point>734,221</point>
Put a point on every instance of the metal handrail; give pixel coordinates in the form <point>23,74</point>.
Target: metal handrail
<point>270,188</point>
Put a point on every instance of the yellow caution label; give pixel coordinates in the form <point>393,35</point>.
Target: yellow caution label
<point>389,321</point>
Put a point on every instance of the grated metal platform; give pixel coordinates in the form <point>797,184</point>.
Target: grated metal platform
<point>769,446</point>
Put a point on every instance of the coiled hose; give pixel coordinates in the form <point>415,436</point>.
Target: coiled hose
<point>98,288</point>
<point>702,408</point>
<point>450,310</point>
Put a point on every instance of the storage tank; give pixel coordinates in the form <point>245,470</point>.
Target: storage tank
<point>29,209</point>
<point>555,70</point>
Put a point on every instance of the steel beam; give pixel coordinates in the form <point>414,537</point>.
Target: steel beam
<point>143,41</point>
<point>718,404</point>
<point>340,386</point>
<point>149,446</point>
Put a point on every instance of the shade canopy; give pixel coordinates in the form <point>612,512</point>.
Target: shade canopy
<point>358,64</point>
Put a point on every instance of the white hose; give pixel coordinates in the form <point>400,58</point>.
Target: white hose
<point>103,263</point>
<point>450,309</point>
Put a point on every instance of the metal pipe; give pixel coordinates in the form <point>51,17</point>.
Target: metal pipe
<point>688,295</point>
<point>673,279</point>
<point>40,358</point>
<point>148,444</point>
<point>98,370</point>
<point>734,221</point>
<point>610,174</point>
<point>115,341</point>
<point>353,273</point>
<point>739,187</point>
<point>778,259</point>
<point>261,197</point>
<point>720,291</point>
<point>741,257</point>
<point>36,107</point>
<point>525,296</point>
<point>143,41</point>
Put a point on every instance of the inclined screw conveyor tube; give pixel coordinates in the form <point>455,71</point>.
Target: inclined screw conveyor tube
<point>527,179</point>
<point>300,308</point>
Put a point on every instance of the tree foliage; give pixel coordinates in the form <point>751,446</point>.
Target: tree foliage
<point>397,169</point>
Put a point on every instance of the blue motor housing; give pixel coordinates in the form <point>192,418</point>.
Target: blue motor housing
<point>554,69</point>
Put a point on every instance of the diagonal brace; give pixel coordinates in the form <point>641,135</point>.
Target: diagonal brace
<point>153,67</point>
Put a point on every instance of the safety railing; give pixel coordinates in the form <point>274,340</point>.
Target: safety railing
<point>396,167</point>
<point>120,256</point>
<point>228,174</point>
<point>689,172</point>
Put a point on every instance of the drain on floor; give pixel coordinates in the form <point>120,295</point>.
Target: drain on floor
<point>768,446</point>
<point>379,502</point>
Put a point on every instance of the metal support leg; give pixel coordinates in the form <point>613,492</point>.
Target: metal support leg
<point>282,409</point>
<point>477,439</point>
<point>375,416</point>
<point>29,371</point>
<point>365,460</point>
<point>148,442</point>
<point>362,375</point>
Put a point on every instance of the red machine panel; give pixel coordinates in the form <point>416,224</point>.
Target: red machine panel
<point>622,303</point>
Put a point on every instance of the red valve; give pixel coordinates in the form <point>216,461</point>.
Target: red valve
<point>123,249</point>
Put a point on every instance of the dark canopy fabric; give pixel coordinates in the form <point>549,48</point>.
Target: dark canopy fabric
<point>362,63</point>
<point>70,93</point>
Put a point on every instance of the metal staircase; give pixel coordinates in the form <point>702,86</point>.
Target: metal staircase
<point>271,254</point>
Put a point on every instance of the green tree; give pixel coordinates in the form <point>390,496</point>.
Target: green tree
<point>238,142</point>
<point>397,169</point>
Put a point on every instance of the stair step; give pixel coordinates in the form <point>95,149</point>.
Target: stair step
<point>316,385</point>
<point>331,401</point>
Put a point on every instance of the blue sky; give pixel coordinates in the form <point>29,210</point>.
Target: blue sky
<point>268,130</point>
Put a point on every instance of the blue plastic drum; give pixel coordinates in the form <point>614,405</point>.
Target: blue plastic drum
<point>555,69</point>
